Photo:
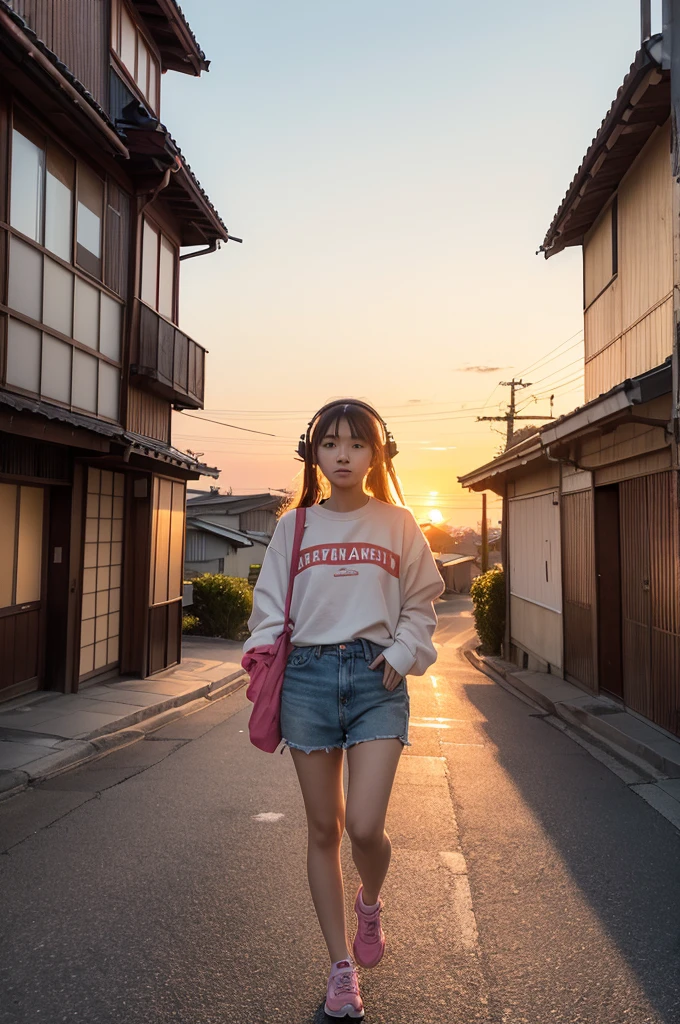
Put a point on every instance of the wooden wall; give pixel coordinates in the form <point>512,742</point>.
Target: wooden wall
<point>628,328</point>
<point>78,32</point>
<point>148,415</point>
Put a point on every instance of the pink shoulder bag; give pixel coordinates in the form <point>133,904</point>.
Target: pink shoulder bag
<point>266,665</point>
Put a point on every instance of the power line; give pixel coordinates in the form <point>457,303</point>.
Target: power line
<point>204,419</point>
<point>537,362</point>
<point>558,371</point>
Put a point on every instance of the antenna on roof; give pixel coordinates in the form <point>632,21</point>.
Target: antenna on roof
<point>645,20</point>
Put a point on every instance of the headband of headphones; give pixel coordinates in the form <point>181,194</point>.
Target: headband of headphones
<point>390,444</point>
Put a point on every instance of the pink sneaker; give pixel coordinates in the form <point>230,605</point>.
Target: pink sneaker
<point>369,942</point>
<point>342,996</point>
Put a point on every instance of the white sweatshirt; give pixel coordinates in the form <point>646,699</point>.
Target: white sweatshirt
<point>368,573</point>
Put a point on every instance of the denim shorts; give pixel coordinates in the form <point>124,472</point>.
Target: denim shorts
<point>330,698</point>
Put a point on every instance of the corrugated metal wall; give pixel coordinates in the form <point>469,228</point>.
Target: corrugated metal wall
<point>650,590</point>
<point>534,537</point>
<point>628,329</point>
<point>78,32</point>
<point>578,565</point>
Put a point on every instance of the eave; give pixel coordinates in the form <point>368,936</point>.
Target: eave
<point>45,80</point>
<point>172,35</point>
<point>641,105</point>
<point>233,536</point>
<point>153,151</point>
<point>492,475</point>
<point>109,435</point>
<point>605,413</point>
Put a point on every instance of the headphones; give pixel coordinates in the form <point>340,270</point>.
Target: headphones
<point>390,444</point>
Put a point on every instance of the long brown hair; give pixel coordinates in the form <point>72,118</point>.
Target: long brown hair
<point>381,480</point>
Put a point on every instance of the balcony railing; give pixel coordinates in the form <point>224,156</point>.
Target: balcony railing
<point>167,361</point>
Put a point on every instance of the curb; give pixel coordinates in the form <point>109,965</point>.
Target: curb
<point>654,748</point>
<point>102,741</point>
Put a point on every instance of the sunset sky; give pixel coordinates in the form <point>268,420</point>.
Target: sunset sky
<point>392,168</point>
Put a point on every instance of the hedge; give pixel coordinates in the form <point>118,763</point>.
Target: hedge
<point>488,599</point>
<point>222,606</point>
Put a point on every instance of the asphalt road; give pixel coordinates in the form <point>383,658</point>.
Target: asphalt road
<point>167,881</point>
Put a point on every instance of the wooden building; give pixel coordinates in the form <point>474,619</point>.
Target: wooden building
<point>96,201</point>
<point>228,533</point>
<point>591,501</point>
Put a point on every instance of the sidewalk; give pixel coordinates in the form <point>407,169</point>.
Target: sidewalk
<point>43,733</point>
<point>649,749</point>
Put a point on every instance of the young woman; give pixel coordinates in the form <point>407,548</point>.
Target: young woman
<point>363,615</point>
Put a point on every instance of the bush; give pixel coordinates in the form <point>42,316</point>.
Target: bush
<point>190,624</point>
<point>488,599</point>
<point>222,605</point>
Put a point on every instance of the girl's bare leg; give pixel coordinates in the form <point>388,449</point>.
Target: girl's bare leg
<point>320,777</point>
<point>372,767</point>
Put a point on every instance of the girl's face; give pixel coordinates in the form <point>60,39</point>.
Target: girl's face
<point>344,460</point>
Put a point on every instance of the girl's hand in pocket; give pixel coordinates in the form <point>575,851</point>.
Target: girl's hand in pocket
<point>391,677</point>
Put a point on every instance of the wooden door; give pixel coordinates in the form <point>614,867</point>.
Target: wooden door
<point>22,529</point>
<point>650,597</point>
<point>608,573</point>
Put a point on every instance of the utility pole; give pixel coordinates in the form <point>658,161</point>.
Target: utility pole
<point>485,536</point>
<point>510,415</point>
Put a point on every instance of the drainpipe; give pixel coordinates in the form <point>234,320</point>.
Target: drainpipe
<point>164,182</point>
<point>560,460</point>
<point>13,30</point>
<point>215,244</point>
<point>201,252</point>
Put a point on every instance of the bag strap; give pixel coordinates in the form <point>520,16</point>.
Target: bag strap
<point>300,516</point>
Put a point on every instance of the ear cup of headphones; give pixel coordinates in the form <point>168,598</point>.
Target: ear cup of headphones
<point>302,447</point>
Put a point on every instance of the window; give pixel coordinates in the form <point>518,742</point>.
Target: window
<point>135,53</point>
<point>21,544</point>
<point>159,261</point>
<point>600,254</point>
<point>167,540</point>
<point>64,339</point>
<point>90,213</point>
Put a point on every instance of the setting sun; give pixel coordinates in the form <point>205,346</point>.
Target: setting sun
<point>436,516</point>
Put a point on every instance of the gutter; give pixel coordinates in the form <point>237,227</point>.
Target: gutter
<point>8,26</point>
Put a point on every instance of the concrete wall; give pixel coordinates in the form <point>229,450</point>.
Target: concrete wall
<point>538,631</point>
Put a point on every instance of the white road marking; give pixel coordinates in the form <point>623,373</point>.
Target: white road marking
<point>267,816</point>
<point>462,899</point>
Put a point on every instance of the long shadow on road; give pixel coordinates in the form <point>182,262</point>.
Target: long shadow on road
<point>622,855</point>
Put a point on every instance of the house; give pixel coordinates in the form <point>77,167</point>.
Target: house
<point>96,200</point>
<point>591,500</point>
<point>438,539</point>
<point>494,549</point>
<point>228,533</point>
<point>457,571</point>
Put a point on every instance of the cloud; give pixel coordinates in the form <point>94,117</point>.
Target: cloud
<point>480,369</point>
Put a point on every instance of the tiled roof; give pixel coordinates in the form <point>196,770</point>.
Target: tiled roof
<point>91,101</point>
<point>187,26</point>
<point>59,64</point>
<point>116,433</point>
<point>619,139</point>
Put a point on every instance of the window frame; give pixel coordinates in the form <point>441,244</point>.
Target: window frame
<point>162,234</point>
<point>20,118</point>
<point>611,207</point>
<point>131,73</point>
